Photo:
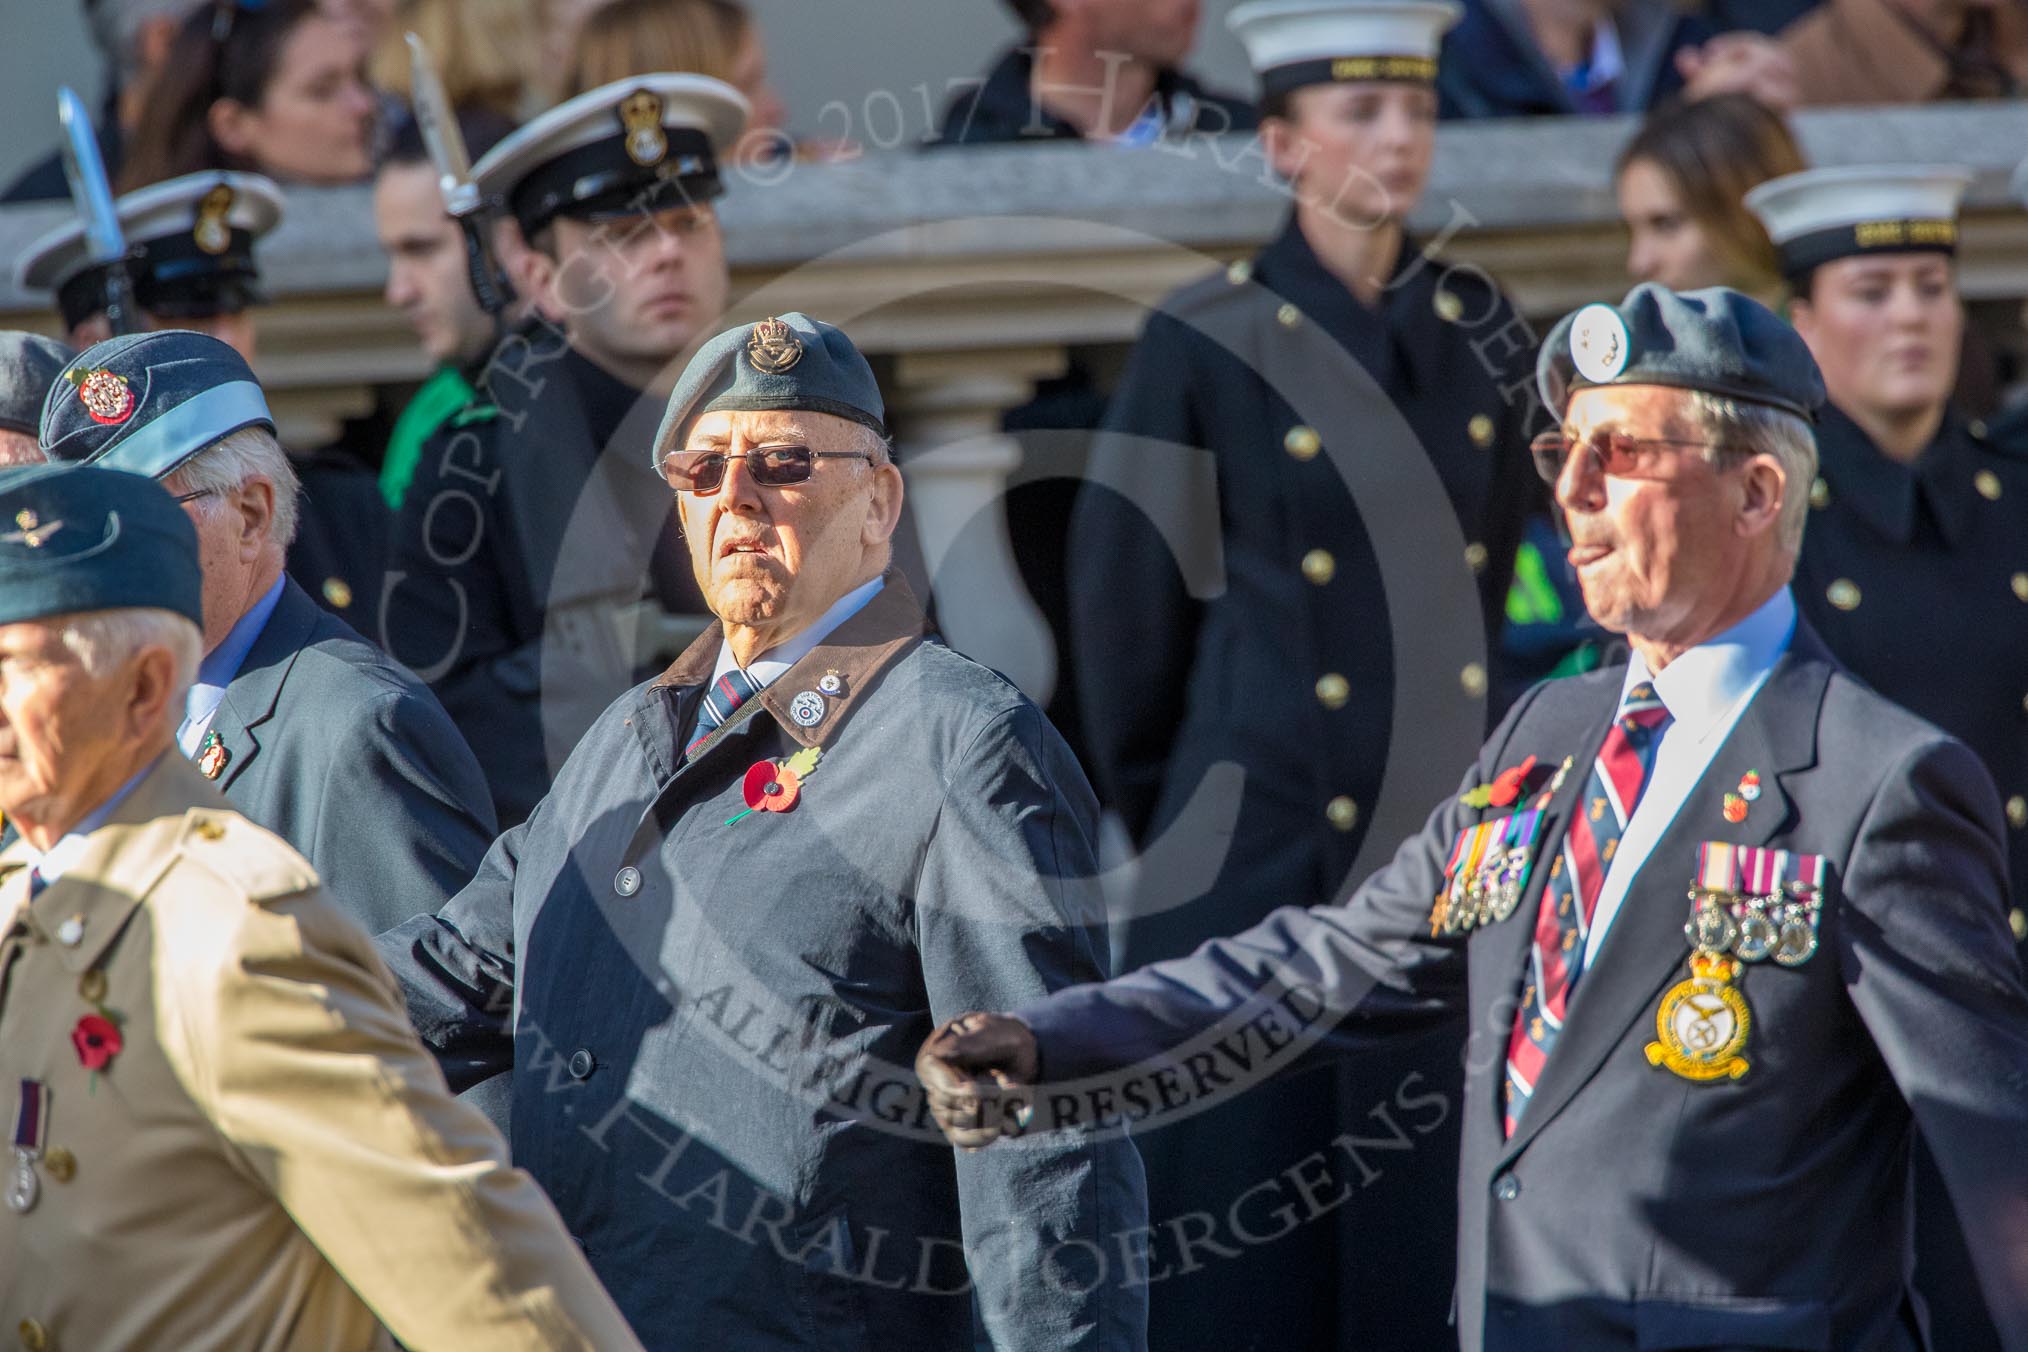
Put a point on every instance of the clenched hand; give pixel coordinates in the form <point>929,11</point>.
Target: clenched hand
<point>975,1070</point>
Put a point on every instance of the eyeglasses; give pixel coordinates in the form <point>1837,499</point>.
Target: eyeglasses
<point>1615,453</point>
<point>182,498</point>
<point>772,466</point>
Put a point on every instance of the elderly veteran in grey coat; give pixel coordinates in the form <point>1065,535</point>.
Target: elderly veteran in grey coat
<point>757,884</point>
<point>222,1132</point>
<point>29,363</point>
<point>309,729</point>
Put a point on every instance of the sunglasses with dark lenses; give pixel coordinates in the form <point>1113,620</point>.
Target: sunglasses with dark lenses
<point>1615,453</point>
<point>772,466</point>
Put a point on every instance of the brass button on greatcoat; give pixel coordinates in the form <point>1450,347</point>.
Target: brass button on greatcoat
<point>34,1336</point>
<point>92,986</point>
<point>59,1164</point>
<point>1475,557</point>
<point>1448,307</point>
<point>1302,442</point>
<point>1480,430</point>
<point>2020,584</point>
<point>1844,594</point>
<point>1342,813</point>
<point>1988,484</point>
<point>1977,427</point>
<point>1473,679</point>
<point>1288,316</point>
<point>2017,812</point>
<point>210,830</point>
<point>338,592</point>
<point>1238,273</point>
<point>1319,567</point>
<point>2017,920</point>
<point>1820,493</point>
<point>1333,690</point>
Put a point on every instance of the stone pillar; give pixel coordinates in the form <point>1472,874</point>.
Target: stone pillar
<point>946,410</point>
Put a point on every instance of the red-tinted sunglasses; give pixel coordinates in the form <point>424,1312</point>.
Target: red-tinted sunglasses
<point>772,466</point>
<point>1615,453</point>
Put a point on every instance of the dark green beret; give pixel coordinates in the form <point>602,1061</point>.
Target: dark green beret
<point>794,362</point>
<point>29,362</point>
<point>146,402</point>
<point>1715,340</point>
<point>76,538</point>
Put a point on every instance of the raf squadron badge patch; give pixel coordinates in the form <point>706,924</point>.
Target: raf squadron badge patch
<point>1750,905</point>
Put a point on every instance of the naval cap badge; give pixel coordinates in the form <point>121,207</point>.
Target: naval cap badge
<point>774,347</point>
<point>212,232</point>
<point>641,116</point>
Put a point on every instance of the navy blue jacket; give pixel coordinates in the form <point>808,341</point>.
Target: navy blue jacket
<point>1491,67</point>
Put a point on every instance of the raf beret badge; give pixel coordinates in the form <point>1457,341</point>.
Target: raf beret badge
<point>641,116</point>
<point>1599,344</point>
<point>213,233</point>
<point>774,347</point>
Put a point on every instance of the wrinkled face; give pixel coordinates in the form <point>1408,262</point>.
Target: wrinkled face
<point>314,122</point>
<point>1885,331</point>
<point>427,276</point>
<point>1159,32</point>
<point>1360,150</point>
<point>779,556</point>
<point>1648,551</point>
<point>18,448</point>
<point>639,288</point>
<point>1665,243</point>
<point>59,726</point>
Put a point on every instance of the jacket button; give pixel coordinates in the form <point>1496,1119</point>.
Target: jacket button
<point>1820,494</point>
<point>34,1336</point>
<point>1333,690</point>
<point>1319,567</point>
<point>1473,679</point>
<point>1977,427</point>
<point>1302,442</point>
<point>1447,306</point>
<point>2020,584</point>
<point>1988,484</point>
<point>1239,272</point>
<point>2017,812</point>
<point>1506,1187</point>
<point>582,1063</point>
<point>1288,316</point>
<point>1342,813</point>
<point>2017,920</point>
<point>1844,594</point>
<point>1475,557</point>
<point>1480,430</point>
<point>60,1164</point>
<point>627,881</point>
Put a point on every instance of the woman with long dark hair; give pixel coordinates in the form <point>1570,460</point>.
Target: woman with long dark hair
<point>274,87</point>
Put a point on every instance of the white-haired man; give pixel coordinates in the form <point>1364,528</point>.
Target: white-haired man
<point>224,1133</point>
<point>308,728</point>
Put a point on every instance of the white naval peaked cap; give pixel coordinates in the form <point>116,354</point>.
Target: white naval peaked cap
<point>215,213</point>
<point>600,151</point>
<point>1821,215</point>
<point>1292,43</point>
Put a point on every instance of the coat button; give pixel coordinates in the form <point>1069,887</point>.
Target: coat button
<point>71,932</point>
<point>627,881</point>
<point>1475,557</point>
<point>582,1064</point>
<point>1473,679</point>
<point>1302,442</point>
<point>59,1164</point>
<point>2018,920</point>
<point>2020,584</point>
<point>338,592</point>
<point>1506,1187</point>
<point>1333,690</point>
<point>34,1336</point>
<point>92,986</point>
<point>1239,272</point>
<point>1342,812</point>
<point>1988,484</point>
<point>2017,812</point>
<point>1820,494</point>
<point>1844,594</point>
<point>1319,567</point>
<point>1288,316</point>
<point>1977,427</point>
<point>1448,307</point>
<point>1480,430</point>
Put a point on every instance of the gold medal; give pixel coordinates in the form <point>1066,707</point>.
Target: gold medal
<point>1703,1022</point>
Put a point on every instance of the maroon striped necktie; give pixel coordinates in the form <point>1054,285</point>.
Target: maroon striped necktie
<point>1556,957</point>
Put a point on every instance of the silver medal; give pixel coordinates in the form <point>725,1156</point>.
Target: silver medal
<point>1756,934</point>
<point>1798,942</point>
<point>23,1187</point>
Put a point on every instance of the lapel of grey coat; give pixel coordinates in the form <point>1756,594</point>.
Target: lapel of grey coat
<point>1645,950</point>
<point>254,692</point>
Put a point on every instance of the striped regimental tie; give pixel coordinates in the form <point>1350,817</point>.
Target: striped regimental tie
<point>721,697</point>
<point>1556,957</point>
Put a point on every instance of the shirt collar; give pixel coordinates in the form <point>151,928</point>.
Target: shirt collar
<point>1608,60</point>
<point>1704,684</point>
<point>222,663</point>
<point>59,858</point>
<point>764,670</point>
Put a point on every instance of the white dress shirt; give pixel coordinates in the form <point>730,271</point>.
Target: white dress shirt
<point>766,669</point>
<point>1705,690</point>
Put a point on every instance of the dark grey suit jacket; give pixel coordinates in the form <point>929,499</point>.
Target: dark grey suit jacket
<point>1633,1208</point>
<point>350,759</point>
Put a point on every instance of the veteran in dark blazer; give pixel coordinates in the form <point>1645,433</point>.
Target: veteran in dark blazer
<point>761,879</point>
<point>1729,927</point>
<point>309,730</point>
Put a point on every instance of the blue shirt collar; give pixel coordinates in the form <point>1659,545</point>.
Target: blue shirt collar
<point>61,856</point>
<point>770,665</point>
<point>222,663</point>
<point>1704,684</point>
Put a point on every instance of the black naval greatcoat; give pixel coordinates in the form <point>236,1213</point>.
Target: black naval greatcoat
<point>341,534</point>
<point>533,551</point>
<point>1288,674</point>
<point>1916,576</point>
